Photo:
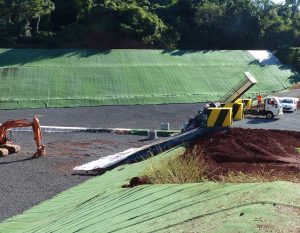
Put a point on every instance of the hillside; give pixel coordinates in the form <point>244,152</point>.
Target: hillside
<point>34,78</point>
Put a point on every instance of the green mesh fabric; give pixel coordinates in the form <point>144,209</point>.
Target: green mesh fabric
<point>102,205</point>
<point>34,78</point>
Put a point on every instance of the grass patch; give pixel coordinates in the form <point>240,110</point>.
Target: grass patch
<point>298,150</point>
<point>259,176</point>
<point>192,168</point>
<point>242,177</point>
<point>178,170</point>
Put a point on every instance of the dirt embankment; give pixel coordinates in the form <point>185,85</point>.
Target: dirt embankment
<point>244,155</point>
<point>250,151</point>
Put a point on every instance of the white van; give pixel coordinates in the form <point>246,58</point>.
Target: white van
<point>289,104</point>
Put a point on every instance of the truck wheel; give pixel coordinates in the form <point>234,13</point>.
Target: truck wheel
<point>269,115</point>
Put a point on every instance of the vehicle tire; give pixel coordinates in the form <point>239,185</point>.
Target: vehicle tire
<point>269,115</point>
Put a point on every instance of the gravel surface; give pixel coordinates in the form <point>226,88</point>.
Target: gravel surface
<point>26,182</point>
<point>138,116</point>
<point>290,93</point>
<point>289,121</point>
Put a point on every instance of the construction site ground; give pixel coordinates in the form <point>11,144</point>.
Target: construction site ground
<point>27,182</point>
<point>72,78</point>
<point>102,205</point>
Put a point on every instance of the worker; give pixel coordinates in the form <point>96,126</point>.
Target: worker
<point>212,105</point>
<point>205,108</point>
<point>272,102</point>
<point>259,99</point>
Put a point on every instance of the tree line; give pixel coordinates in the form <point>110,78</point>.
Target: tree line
<point>164,24</point>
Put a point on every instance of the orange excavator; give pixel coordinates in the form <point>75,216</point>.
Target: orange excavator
<point>6,147</point>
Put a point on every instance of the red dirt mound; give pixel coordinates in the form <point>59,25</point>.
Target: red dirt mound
<point>250,150</point>
<point>266,154</point>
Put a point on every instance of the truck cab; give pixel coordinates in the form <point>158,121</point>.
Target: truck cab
<point>272,107</point>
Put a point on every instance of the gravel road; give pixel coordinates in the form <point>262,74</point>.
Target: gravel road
<point>290,93</point>
<point>138,116</point>
<point>289,121</point>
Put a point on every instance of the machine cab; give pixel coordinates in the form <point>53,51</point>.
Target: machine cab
<point>273,106</point>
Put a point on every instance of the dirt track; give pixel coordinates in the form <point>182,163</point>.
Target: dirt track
<point>249,150</point>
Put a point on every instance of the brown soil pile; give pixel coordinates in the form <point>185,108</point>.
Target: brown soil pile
<point>245,155</point>
<point>250,151</point>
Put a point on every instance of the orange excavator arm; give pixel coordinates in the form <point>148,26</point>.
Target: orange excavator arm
<point>21,124</point>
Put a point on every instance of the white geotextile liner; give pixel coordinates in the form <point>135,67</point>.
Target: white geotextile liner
<point>106,161</point>
<point>264,57</point>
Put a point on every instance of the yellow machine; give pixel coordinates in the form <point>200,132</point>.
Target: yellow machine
<point>237,110</point>
<point>247,102</point>
<point>229,108</point>
<point>219,117</point>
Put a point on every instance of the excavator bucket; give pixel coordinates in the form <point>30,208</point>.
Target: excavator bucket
<point>39,152</point>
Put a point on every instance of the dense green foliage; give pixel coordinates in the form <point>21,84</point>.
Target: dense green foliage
<point>290,56</point>
<point>21,18</point>
<point>182,24</point>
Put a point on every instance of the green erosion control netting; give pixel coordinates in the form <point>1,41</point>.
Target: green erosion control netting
<point>32,78</point>
<point>101,205</point>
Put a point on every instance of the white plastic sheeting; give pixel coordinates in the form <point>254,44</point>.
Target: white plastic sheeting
<point>106,161</point>
<point>264,57</point>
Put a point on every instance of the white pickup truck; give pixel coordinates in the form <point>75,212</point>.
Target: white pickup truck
<point>289,104</point>
<point>270,108</point>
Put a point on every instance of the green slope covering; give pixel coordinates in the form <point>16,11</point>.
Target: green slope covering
<point>101,205</point>
<point>32,78</point>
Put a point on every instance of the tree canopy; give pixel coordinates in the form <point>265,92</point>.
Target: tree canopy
<point>167,24</point>
<point>18,16</point>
